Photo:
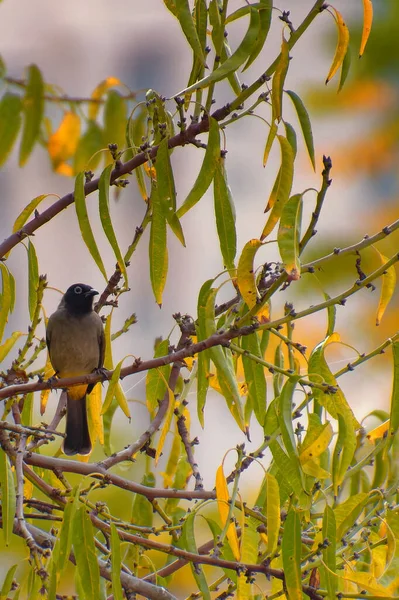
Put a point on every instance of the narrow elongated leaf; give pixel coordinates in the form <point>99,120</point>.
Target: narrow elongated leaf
<point>342,44</point>
<point>331,314</point>
<point>85,554</point>
<point>7,584</point>
<point>269,142</point>
<point>33,282</point>
<point>367,21</point>
<point>84,223</point>
<point>65,534</point>
<point>222,496</point>
<point>98,93</point>
<point>166,190</point>
<point>347,512</point>
<point>28,210</point>
<point>111,392</point>
<point>225,216</point>
<point>329,553</point>
<point>203,372</point>
<point>115,117</point>
<point>289,235</point>
<point>255,377</point>
<point>33,105</point>
<point>5,298</point>
<point>249,555</point>
<point>291,137</point>
<point>166,423</point>
<point>191,546</point>
<point>279,80</point>
<point>89,144</point>
<point>291,553</point>
<point>387,287</point>
<point>116,562</point>
<point>205,176</point>
<point>105,216</point>
<point>158,248</point>
<point>346,65</point>
<point>63,142</point>
<point>8,344</point>
<point>8,499</point>
<point>265,17</point>
<point>283,187</point>
<point>155,384</point>
<point>183,14</point>
<point>10,123</point>
<point>245,273</point>
<point>394,413</point>
<point>273,512</point>
<point>284,416</point>
<point>317,439</point>
<point>305,124</point>
<point>235,60</point>
<point>12,291</point>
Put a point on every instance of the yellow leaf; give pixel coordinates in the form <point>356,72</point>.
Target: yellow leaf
<point>378,432</point>
<point>245,273</point>
<point>65,169</point>
<point>222,496</point>
<point>366,582</point>
<point>167,421</point>
<point>44,394</point>
<point>98,93</point>
<point>62,143</point>
<point>318,446</point>
<point>150,171</point>
<point>387,287</point>
<point>342,44</point>
<point>94,411</point>
<point>367,20</point>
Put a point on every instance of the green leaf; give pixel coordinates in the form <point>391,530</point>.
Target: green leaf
<point>183,14</point>
<point>290,134</point>
<point>27,211</point>
<point>255,376</point>
<point>155,384</point>
<point>33,105</point>
<point>279,80</point>
<point>10,122</point>
<point>158,247</point>
<point>273,512</point>
<point>5,298</point>
<point>235,60</point>
<point>284,416</point>
<point>269,142</point>
<point>284,185</point>
<point>347,513</point>
<point>27,411</point>
<point>115,117</point>
<point>111,392</point>
<point>142,510</point>
<point>84,223</point>
<point>65,534</point>
<point>33,282</point>
<point>203,357</point>
<point>85,554</point>
<point>346,65</point>
<point>91,142</point>
<point>394,413</point>
<point>288,237</point>
<point>166,189</point>
<point>265,17</point>
<point>105,216</point>
<point>305,124</point>
<point>291,554</point>
<point>191,546</point>
<point>329,553</point>
<point>331,315</point>
<point>7,584</point>
<point>225,216</point>
<point>344,449</point>
<point>8,499</point>
<point>8,344</point>
<point>205,176</point>
<point>116,562</point>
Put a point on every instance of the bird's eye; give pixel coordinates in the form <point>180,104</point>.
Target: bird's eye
<point>78,289</point>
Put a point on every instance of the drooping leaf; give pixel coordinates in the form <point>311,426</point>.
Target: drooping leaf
<point>28,210</point>
<point>183,14</point>
<point>291,553</point>
<point>191,546</point>
<point>279,80</point>
<point>348,511</point>
<point>7,583</point>
<point>255,377</point>
<point>203,372</point>
<point>63,142</point>
<point>33,281</point>
<point>329,552</point>
<point>367,21</point>
<point>115,117</point>
<point>85,554</point>
<point>225,216</point>
<point>289,234</point>
<point>166,190</point>
<point>8,344</point>
<point>342,44</point>
<point>158,247</point>
<point>273,512</point>
<point>10,123</point>
<point>387,287</point>
<point>222,496</point>
<point>283,187</point>
<point>235,60</point>
<point>65,533</point>
<point>98,93</point>
<point>84,223</point>
<point>166,423</point>
<point>269,142</point>
<point>33,106</point>
<point>8,497</point>
<point>346,65</point>
<point>5,298</point>
<point>105,216</point>
<point>265,17</point>
<point>205,176</point>
<point>394,412</point>
<point>111,392</point>
<point>87,153</point>
<point>116,562</point>
<point>245,273</point>
<point>305,124</point>
<point>156,379</point>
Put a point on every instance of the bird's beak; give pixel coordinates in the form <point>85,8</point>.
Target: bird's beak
<point>91,293</point>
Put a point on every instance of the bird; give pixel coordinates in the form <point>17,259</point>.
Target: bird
<point>76,345</point>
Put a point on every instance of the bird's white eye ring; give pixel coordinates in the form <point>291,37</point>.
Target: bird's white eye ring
<point>78,289</point>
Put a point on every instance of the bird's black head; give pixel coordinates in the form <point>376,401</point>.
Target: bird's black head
<point>78,298</point>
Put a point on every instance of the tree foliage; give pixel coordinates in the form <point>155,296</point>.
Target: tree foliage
<point>324,522</point>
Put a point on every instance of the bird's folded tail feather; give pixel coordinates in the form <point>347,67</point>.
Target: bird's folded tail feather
<point>77,439</point>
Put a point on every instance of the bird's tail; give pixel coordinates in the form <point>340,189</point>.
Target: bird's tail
<point>77,439</point>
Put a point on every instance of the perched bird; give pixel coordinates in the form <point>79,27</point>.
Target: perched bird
<point>76,344</point>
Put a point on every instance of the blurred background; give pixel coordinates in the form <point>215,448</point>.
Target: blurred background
<point>76,45</point>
